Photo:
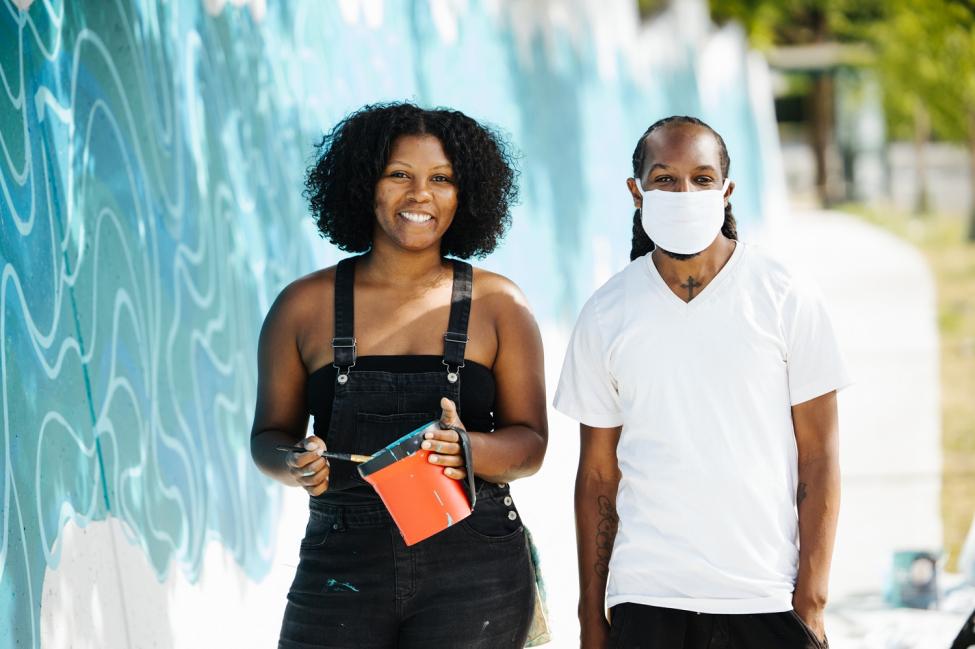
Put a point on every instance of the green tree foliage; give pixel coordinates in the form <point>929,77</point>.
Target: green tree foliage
<point>925,48</point>
<point>924,54</point>
<point>799,22</point>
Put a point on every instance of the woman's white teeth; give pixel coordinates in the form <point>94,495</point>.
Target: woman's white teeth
<point>415,217</point>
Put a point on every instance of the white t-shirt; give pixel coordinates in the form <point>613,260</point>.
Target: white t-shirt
<point>703,391</point>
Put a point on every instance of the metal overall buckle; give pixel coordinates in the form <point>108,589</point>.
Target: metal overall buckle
<point>451,337</point>
<point>343,343</point>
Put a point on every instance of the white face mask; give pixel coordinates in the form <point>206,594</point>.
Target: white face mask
<point>683,222</point>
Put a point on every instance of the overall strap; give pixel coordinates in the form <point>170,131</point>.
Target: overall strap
<point>343,343</point>
<point>455,339</point>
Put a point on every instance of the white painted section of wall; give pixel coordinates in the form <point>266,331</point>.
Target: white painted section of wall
<point>104,594</point>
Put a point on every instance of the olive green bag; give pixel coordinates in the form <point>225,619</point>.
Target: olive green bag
<point>539,633</point>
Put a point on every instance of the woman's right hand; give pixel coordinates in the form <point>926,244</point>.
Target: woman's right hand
<point>309,469</point>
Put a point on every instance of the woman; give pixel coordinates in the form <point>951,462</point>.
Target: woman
<point>363,347</point>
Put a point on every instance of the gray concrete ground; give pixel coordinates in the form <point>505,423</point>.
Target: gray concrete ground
<point>881,296</point>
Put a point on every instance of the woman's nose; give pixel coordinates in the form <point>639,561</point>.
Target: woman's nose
<point>421,191</point>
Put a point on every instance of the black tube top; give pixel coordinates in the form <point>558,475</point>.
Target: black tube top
<point>476,389</point>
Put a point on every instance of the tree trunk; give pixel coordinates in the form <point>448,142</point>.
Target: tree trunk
<point>821,132</point>
<point>922,133</point>
<point>822,109</point>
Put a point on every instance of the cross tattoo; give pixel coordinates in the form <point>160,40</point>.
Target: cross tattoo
<point>690,286</point>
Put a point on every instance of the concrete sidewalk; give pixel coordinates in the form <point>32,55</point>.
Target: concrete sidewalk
<point>881,296</point>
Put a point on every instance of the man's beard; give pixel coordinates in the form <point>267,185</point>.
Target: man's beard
<point>679,256</point>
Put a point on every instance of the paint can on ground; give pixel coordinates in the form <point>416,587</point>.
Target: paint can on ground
<point>420,498</point>
<point>913,581</point>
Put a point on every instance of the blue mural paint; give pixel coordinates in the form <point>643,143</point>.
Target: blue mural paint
<point>151,167</point>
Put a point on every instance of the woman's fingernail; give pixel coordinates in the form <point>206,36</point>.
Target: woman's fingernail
<point>426,445</point>
<point>434,458</point>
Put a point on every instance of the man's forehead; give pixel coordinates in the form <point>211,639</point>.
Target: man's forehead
<point>674,143</point>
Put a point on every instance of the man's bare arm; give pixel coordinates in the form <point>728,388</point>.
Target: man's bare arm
<point>597,480</point>
<point>818,501</point>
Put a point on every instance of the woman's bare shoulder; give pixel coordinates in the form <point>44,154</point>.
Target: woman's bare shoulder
<point>498,290</point>
<point>305,297</point>
<point>501,297</point>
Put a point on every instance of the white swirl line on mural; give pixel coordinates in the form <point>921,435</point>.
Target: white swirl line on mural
<point>98,106</point>
<point>18,99</point>
<point>44,99</point>
<point>56,21</point>
<point>69,344</point>
<point>86,36</point>
<point>167,130</point>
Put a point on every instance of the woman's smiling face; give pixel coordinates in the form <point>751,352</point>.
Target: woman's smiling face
<point>416,195</point>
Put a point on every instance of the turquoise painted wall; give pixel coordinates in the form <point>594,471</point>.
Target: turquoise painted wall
<point>151,163</point>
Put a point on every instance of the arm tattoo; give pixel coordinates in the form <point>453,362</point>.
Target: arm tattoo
<point>800,493</point>
<point>690,286</point>
<point>605,535</point>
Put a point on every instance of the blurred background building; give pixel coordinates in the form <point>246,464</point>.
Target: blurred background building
<point>150,210</point>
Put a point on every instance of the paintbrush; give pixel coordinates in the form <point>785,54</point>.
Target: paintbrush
<point>348,457</point>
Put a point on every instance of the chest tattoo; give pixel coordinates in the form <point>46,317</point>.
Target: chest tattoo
<point>691,285</point>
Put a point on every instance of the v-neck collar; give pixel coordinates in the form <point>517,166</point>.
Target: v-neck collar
<point>705,295</point>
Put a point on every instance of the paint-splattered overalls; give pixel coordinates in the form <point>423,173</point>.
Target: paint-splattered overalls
<point>358,585</point>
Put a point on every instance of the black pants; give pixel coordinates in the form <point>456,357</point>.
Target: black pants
<point>358,586</point>
<point>966,637</point>
<point>635,626</point>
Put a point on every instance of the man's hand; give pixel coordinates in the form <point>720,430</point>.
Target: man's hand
<point>813,616</point>
<point>595,635</point>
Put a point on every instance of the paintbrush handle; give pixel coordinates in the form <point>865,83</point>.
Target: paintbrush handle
<point>348,457</point>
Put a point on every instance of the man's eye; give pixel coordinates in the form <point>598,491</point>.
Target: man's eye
<point>705,180</point>
<point>662,179</point>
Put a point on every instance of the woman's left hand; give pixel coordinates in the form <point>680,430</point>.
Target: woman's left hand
<point>444,445</point>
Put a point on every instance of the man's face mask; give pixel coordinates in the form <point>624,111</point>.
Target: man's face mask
<point>683,222</point>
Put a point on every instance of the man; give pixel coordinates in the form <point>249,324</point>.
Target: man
<point>704,378</point>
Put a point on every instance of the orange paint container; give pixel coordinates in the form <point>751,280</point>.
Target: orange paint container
<point>419,497</point>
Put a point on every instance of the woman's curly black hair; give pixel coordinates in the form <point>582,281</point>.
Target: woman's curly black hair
<point>340,186</point>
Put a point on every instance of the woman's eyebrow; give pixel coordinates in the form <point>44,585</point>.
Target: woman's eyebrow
<point>445,165</point>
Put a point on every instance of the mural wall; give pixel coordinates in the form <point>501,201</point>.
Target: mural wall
<point>150,210</point>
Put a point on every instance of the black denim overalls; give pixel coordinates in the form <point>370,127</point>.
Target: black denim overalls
<point>357,584</point>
